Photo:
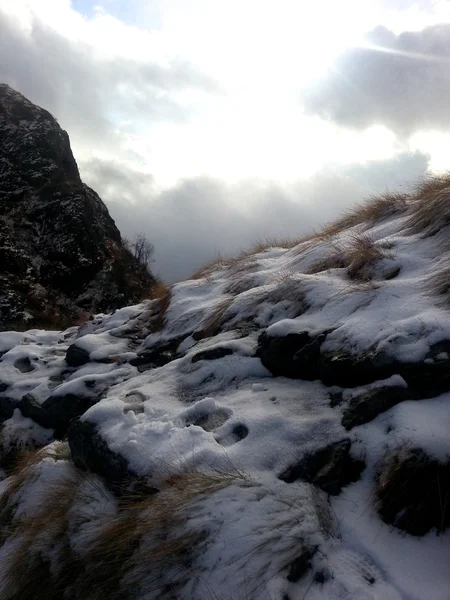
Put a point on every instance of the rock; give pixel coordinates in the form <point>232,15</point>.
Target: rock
<point>90,452</point>
<point>299,356</point>
<point>62,409</point>
<point>413,491</point>
<point>330,468</point>
<point>56,235</point>
<point>212,353</point>
<point>159,355</point>
<point>301,565</point>
<point>295,355</point>
<point>30,408</point>
<point>76,356</point>
<point>365,407</point>
<point>7,408</point>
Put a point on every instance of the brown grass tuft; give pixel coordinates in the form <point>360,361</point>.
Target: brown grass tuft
<point>218,262</point>
<point>159,310</point>
<point>373,210</point>
<point>439,285</point>
<point>358,257</point>
<point>430,209</point>
<point>144,547</point>
<point>214,321</point>
<point>362,256</point>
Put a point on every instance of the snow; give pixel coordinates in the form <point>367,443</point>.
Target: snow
<point>213,415</point>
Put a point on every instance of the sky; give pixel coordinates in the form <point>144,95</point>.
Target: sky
<point>210,124</point>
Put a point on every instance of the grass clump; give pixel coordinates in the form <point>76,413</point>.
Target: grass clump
<point>430,207</point>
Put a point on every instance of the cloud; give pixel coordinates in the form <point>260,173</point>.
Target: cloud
<point>90,90</point>
<point>400,81</point>
<point>198,218</point>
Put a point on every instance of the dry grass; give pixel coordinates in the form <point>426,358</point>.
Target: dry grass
<point>218,262</point>
<point>430,209</point>
<point>439,285</point>
<point>144,547</point>
<point>373,210</point>
<point>332,260</point>
<point>242,262</point>
<point>362,255</point>
<point>163,297</point>
<point>358,257</point>
<point>238,285</point>
<point>214,321</point>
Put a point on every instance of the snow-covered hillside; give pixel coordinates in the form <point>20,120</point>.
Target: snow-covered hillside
<point>276,427</point>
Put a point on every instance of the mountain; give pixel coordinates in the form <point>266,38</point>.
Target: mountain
<point>275,428</point>
<point>61,253</point>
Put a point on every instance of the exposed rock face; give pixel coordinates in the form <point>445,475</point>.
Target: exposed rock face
<point>413,491</point>
<point>61,252</point>
<point>330,468</point>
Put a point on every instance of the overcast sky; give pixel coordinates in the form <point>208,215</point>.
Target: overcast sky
<point>208,124</point>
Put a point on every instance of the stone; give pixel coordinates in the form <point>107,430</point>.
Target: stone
<point>76,356</point>
<point>368,405</point>
<point>90,452</point>
<point>299,356</point>
<point>212,353</point>
<point>62,409</point>
<point>330,468</point>
<point>7,408</point>
<point>159,355</point>
<point>295,355</point>
<point>31,409</point>
<point>413,491</point>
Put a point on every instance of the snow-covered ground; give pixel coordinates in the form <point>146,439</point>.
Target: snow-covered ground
<point>214,407</point>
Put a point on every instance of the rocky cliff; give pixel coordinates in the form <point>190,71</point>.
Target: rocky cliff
<point>61,253</point>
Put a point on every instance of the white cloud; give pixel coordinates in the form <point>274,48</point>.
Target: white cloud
<point>400,81</point>
<point>200,217</point>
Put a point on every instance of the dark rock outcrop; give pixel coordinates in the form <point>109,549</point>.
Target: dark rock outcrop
<point>158,355</point>
<point>413,491</point>
<point>76,356</point>
<point>300,356</point>
<point>330,468</point>
<point>61,252</point>
<point>57,411</point>
<point>212,353</point>
<point>365,407</point>
<point>90,452</point>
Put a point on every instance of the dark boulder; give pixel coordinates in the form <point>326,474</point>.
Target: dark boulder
<point>366,406</point>
<point>7,408</point>
<point>31,409</point>
<point>57,411</point>
<point>295,355</point>
<point>300,356</point>
<point>158,355</point>
<point>330,468</point>
<point>413,491</point>
<point>212,353</point>
<point>62,409</point>
<point>76,356</point>
<point>90,452</point>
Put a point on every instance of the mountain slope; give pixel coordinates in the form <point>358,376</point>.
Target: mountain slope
<point>275,428</point>
<point>60,250</point>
